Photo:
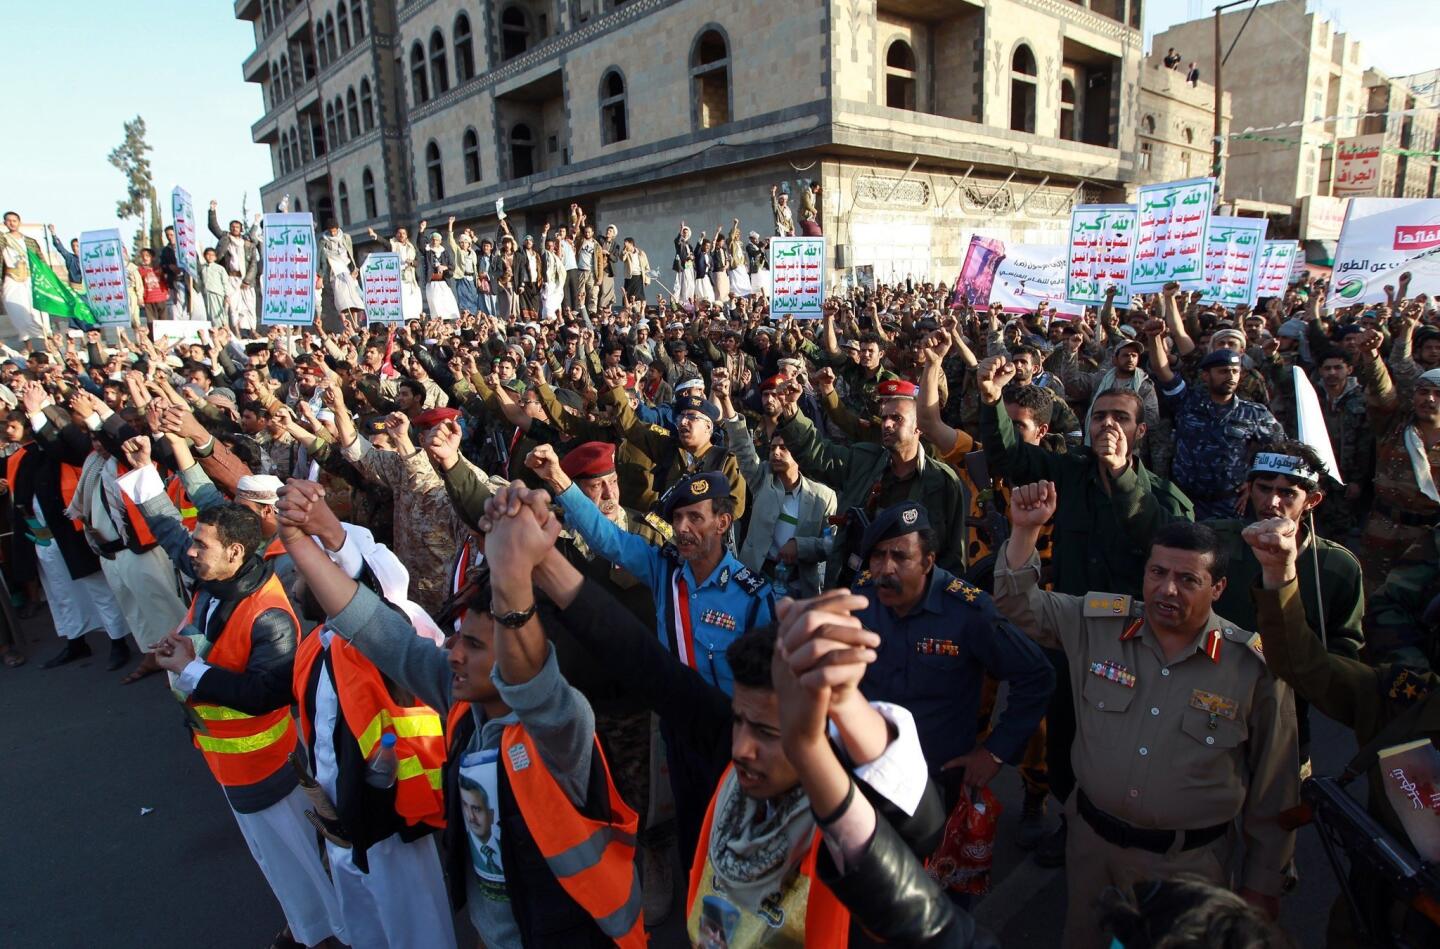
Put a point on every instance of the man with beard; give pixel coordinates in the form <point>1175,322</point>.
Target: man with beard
<point>1183,731</point>
<point>1407,457</point>
<point>871,477</point>
<point>1215,431</point>
<point>938,636</point>
<point>1342,403</point>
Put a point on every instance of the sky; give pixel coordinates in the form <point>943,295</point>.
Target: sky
<point>87,66</point>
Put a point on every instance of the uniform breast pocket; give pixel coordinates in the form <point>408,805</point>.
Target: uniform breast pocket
<point>1102,704</point>
<point>935,674</point>
<point>1211,734</point>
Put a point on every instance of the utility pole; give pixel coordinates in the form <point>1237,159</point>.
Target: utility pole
<point>1217,164</point>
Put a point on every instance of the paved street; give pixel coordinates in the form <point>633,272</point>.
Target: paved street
<point>82,866</point>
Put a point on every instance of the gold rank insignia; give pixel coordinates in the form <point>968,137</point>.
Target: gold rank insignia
<point>969,592</point>
<point>1106,604</point>
<point>699,487</point>
<point>1255,646</point>
<point>1214,704</point>
<point>659,525</point>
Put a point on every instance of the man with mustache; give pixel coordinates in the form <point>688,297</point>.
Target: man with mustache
<point>938,635</point>
<point>1183,731</point>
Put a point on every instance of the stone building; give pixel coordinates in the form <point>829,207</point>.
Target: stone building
<point>924,121</point>
<point>1404,124</point>
<point>1176,131</point>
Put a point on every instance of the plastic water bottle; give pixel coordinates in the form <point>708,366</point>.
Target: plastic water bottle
<point>381,767</point>
<point>782,578</point>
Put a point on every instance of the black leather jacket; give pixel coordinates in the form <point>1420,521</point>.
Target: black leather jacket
<point>893,899</point>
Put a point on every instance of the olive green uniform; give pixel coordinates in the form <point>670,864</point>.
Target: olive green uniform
<point>1185,745</point>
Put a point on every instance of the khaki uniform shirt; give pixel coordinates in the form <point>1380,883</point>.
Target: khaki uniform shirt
<point>1183,744</point>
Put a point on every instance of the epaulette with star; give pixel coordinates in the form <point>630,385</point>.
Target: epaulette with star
<point>660,430</point>
<point>659,525</point>
<point>1114,605</point>
<point>751,583</point>
<point>1403,686</point>
<point>963,590</point>
<point>862,579</point>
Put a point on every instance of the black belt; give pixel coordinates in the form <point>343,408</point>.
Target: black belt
<point>110,548</point>
<point>1116,831</point>
<point>1404,518</point>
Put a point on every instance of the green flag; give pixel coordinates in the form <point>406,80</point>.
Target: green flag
<point>54,296</point>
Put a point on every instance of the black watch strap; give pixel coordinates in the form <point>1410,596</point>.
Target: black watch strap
<point>514,619</point>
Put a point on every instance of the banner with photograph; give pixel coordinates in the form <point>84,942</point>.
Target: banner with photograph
<point>797,273</point>
<point>102,262</point>
<point>380,277</point>
<point>1383,238</point>
<point>288,281</point>
<point>1173,224</point>
<point>1232,259</point>
<point>1101,247</point>
<point>977,273</point>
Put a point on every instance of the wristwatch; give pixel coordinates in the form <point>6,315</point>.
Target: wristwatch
<point>514,619</point>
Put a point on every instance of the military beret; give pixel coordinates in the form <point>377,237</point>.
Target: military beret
<point>1220,357</point>
<point>693,403</point>
<point>774,382</point>
<point>432,417</point>
<point>694,488</point>
<point>897,389</point>
<point>570,398</point>
<point>897,520</point>
<point>590,460</point>
<point>1349,329</point>
<point>372,425</point>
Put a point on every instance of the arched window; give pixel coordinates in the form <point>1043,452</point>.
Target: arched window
<point>900,76</point>
<point>1067,110</point>
<point>342,195</point>
<point>419,84</point>
<point>1188,134</point>
<point>367,188</point>
<point>514,32</point>
<point>470,153</point>
<point>464,50</point>
<point>614,122</point>
<point>282,154</point>
<point>286,77</point>
<point>439,64</point>
<point>434,174</point>
<point>342,134</point>
<point>330,123</point>
<point>367,105</point>
<point>266,17</point>
<point>320,43</point>
<point>342,19</point>
<point>522,151</point>
<point>352,112</point>
<point>357,17</point>
<point>1022,90</point>
<point>1148,124</point>
<point>710,79</point>
<point>331,45</point>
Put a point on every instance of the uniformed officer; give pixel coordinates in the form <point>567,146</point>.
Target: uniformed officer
<point>1182,729</point>
<point>1215,431</point>
<point>1386,705</point>
<point>704,597</point>
<point>938,637</point>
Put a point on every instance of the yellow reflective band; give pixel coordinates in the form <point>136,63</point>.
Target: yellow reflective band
<point>424,725</point>
<point>412,768</point>
<point>239,746</point>
<point>219,713</point>
<point>189,512</point>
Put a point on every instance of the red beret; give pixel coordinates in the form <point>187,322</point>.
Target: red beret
<point>432,417</point>
<point>774,382</point>
<point>897,389</point>
<point>590,460</point>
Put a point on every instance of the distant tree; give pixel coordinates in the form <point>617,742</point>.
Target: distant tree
<point>131,157</point>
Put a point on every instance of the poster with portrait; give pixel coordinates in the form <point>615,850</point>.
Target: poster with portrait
<point>479,806</point>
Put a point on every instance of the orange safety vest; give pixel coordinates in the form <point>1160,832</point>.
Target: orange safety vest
<point>243,749</point>
<point>273,549</point>
<point>827,921</point>
<point>370,711</point>
<point>593,860</point>
<point>189,514</point>
<point>69,480</point>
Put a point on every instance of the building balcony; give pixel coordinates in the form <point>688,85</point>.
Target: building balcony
<point>247,9</point>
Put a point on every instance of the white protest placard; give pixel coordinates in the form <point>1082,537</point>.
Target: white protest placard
<point>797,273</point>
<point>179,331</point>
<point>288,281</point>
<point>1310,423</point>
<point>102,262</point>
<point>1383,238</point>
<point>1174,220</point>
<point>380,277</point>
<point>1276,260</point>
<point>1101,247</point>
<point>1232,259</point>
<point>186,249</point>
<point>1357,165</point>
<point>1029,275</point>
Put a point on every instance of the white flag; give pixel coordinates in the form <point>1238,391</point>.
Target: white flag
<point>1311,423</point>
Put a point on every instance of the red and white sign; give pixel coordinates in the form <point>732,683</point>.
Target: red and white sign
<point>1357,166</point>
<point>1383,238</point>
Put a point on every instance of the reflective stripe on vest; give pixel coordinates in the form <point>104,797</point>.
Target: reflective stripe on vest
<point>593,860</point>
<point>243,749</point>
<point>827,921</point>
<point>369,711</point>
<point>189,514</point>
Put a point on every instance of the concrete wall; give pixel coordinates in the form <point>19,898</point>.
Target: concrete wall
<point>1177,108</point>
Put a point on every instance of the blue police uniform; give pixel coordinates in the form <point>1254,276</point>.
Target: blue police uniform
<point>932,660</point>
<point>1212,444</point>
<point>718,609</point>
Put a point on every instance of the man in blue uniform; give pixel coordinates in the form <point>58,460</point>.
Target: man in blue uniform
<point>1214,430</point>
<point>939,635</point>
<point>721,599</point>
